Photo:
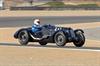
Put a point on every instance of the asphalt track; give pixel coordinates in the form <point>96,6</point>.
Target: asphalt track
<point>27,21</point>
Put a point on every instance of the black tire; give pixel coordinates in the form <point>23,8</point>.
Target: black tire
<point>43,43</point>
<point>81,39</point>
<point>23,37</point>
<point>60,39</point>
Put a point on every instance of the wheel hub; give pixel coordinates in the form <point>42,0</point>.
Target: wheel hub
<point>23,37</point>
<point>60,39</point>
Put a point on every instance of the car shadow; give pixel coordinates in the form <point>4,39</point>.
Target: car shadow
<point>49,46</point>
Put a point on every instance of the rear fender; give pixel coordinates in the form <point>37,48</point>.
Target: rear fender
<point>78,30</point>
<point>17,32</point>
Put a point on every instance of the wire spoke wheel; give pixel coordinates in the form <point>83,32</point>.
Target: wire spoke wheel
<point>81,39</point>
<point>23,37</point>
<point>60,39</point>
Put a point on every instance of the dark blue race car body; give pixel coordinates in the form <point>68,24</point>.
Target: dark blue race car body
<point>51,34</point>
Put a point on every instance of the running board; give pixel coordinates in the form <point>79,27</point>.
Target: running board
<point>35,38</point>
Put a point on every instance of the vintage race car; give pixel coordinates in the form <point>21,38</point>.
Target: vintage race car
<point>51,34</point>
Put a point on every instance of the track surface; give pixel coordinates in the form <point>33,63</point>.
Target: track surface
<point>27,21</point>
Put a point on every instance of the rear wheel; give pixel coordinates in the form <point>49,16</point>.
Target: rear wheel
<point>23,37</point>
<point>60,39</point>
<point>43,43</point>
<point>81,39</point>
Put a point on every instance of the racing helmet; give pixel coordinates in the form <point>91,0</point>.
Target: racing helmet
<point>37,21</point>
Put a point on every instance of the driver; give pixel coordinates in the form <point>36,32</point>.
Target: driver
<point>36,26</point>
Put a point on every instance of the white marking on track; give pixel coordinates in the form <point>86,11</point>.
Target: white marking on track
<point>40,47</point>
<point>74,49</point>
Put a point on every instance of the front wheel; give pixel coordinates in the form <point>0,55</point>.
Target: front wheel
<point>81,39</point>
<point>60,39</point>
<point>23,37</point>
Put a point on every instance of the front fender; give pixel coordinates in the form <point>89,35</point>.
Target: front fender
<point>17,32</point>
<point>78,30</point>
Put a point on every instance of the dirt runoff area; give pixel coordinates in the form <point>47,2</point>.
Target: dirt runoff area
<point>12,54</point>
<point>7,13</point>
<point>46,56</point>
